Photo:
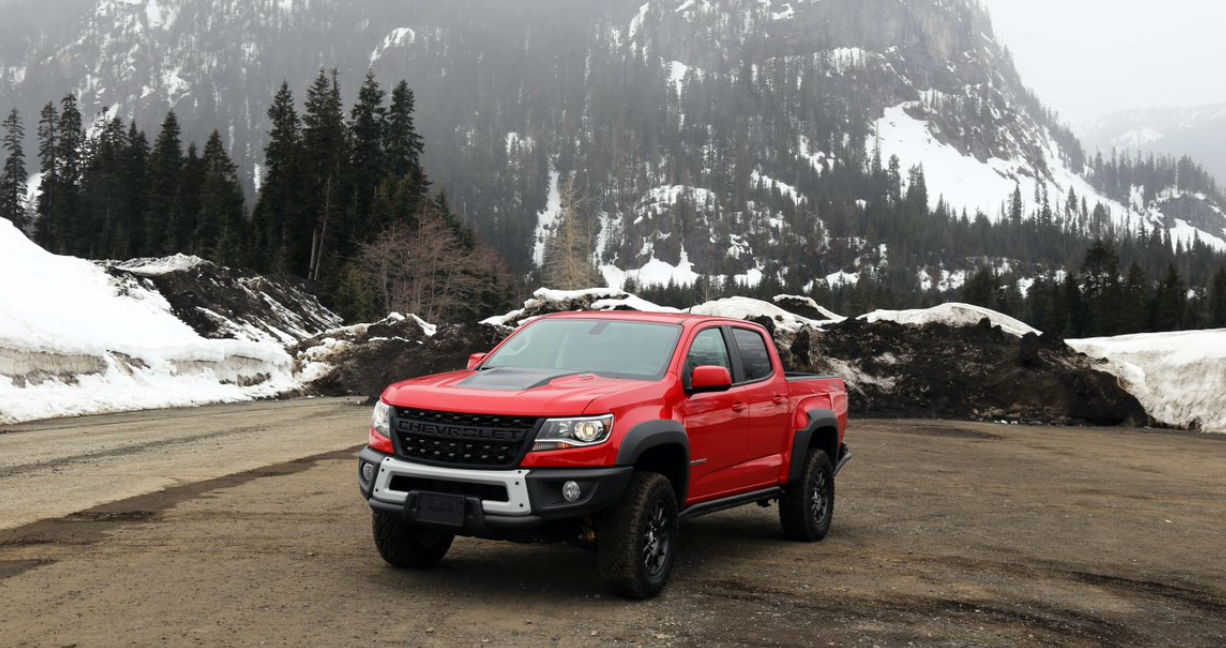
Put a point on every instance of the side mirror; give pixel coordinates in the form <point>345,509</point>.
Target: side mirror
<point>475,359</point>
<point>708,379</point>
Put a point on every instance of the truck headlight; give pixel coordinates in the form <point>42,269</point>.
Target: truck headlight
<point>559,434</point>
<point>379,419</point>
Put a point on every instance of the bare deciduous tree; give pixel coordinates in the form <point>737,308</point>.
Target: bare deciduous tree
<point>424,268</point>
<point>568,254</point>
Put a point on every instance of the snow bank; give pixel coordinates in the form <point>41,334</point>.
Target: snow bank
<point>954,315</point>
<point>75,340</point>
<point>746,308</point>
<point>545,301</point>
<point>1179,377</point>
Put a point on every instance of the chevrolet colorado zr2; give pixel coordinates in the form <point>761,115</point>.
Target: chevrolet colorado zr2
<point>604,429</point>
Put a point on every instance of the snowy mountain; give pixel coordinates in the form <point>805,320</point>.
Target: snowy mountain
<point>733,138</point>
<point>1199,132</point>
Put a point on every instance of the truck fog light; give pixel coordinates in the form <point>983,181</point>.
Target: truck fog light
<point>368,471</point>
<point>571,491</point>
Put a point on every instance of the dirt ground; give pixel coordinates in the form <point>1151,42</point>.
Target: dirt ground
<point>945,534</point>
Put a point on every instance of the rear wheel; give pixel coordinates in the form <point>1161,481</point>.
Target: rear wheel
<point>404,546</point>
<point>638,537</point>
<point>807,507</point>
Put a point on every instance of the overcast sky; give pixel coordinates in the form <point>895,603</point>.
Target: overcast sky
<point>1087,58</point>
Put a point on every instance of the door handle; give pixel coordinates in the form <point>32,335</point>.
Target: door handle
<point>779,399</point>
<point>739,406</point>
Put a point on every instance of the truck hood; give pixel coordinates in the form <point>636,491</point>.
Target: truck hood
<point>509,391</point>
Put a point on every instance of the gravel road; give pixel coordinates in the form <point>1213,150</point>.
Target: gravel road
<point>242,526</point>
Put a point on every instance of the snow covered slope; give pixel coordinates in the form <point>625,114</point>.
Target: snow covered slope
<point>1180,377</point>
<point>75,339</point>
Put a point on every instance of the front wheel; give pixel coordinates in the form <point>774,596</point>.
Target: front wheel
<point>404,546</point>
<point>807,507</point>
<point>638,537</point>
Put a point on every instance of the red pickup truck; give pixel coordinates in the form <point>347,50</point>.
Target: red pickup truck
<point>605,429</point>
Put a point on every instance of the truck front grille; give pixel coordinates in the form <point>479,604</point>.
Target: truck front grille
<point>462,440</point>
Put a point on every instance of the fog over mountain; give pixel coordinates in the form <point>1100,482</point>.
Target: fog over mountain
<point>1092,58</point>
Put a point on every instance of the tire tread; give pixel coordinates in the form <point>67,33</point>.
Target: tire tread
<point>618,552</point>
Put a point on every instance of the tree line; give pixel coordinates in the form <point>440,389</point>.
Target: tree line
<point>1102,298</point>
<point>337,193</point>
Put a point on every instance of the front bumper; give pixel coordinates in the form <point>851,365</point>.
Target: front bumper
<point>495,501</point>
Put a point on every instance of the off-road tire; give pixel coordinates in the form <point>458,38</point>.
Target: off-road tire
<point>804,517</point>
<point>404,546</point>
<point>632,561</point>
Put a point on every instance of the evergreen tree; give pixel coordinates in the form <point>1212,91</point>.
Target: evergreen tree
<point>917,190</point>
<point>135,188</point>
<point>367,130</point>
<point>13,176</point>
<point>326,153</point>
<point>185,212</point>
<point>1015,205</point>
<point>1068,313</point>
<point>402,143</point>
<point>70,143</point>
<point>1171,302</point>
<point>1100,288</point>
<point>47,231</point>
<point>165,169</point>
<point>1217,300</point>
<point>102,190</point>
<point>982,288</point>
<point>219,225</point>
<point>1134,314</point>
<point>281,228</point>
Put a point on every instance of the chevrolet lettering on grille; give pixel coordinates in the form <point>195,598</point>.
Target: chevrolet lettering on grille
<point>459,432</point>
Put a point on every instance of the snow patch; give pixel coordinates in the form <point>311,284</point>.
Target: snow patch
<point>1137,138</point>
<point>653,273</point>
<point>399,37</point>
<point>787,190</point>
<point>547,220</point>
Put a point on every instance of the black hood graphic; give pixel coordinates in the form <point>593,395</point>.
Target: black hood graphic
<point>513,379</point>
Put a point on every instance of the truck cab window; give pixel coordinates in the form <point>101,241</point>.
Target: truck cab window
<point>708,349</point>
<point>755,360</point>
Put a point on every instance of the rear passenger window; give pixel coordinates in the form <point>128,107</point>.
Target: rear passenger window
<point>755,359</point>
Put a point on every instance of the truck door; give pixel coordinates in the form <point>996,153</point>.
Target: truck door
<point>765,391</point>
<point>715,424</point>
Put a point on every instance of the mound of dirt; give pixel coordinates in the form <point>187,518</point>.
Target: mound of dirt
<point>220,302</point>
<point>933,370</point>
<point>965,372</point>
<point>363,360</point>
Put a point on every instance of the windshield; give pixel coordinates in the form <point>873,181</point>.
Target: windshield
<point>639,350</point>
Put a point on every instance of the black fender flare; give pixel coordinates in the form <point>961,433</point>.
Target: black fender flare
<point>653,434</point>
<point>819,418</point>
